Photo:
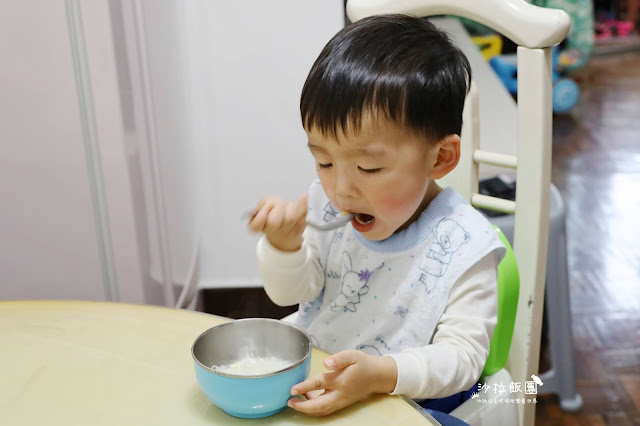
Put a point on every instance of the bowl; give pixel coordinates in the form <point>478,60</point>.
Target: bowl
<point>251,395</point>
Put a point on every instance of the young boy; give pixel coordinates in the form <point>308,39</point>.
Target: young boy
<point>403,295</point>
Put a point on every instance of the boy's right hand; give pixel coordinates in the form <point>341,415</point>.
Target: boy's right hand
<point>282,222</point>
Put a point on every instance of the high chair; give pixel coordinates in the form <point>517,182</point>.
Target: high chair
<point>535,30</point>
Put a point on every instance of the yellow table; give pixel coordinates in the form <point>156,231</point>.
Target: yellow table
<point>88,363</point>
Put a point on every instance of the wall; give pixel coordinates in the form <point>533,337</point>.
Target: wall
<point>257,147</point>
<point>49,244</point>
<point>216,89</point>
<point>189,116</point>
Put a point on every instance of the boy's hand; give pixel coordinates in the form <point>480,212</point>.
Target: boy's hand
<point>354,376</point>
<point>282,222</point>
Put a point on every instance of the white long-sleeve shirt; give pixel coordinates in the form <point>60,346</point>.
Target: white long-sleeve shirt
<point>425,296</point>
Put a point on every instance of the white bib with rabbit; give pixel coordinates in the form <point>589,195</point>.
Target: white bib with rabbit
<point>383,296</point>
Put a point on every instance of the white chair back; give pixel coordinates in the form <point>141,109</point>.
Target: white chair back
<point>535,30</point>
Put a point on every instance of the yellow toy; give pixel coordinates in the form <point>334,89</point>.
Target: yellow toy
<point>489,45</point>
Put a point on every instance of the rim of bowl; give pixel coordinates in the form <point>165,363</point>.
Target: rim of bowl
<point>253,376</point>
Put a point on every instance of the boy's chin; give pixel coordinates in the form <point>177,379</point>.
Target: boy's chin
<point>379,230</point>
<point>376,235</point>
<point>377,238</point>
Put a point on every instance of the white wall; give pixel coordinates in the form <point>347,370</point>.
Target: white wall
<point>115,153</point>
<point>196,96</point>
<point>260,59</point>
<point>221,83</point>
<point>49,248</point>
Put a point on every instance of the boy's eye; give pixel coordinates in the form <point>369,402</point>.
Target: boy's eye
<point>369,171</point>
<point>324,166</point>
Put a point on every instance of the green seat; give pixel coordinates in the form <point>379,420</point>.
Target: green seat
<point>508,293</point>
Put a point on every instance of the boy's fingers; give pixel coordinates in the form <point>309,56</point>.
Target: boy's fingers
<point>302,203</point>
<point>268,202</point>
<point>341,360</point>
<point>291,217</point>
<point>312,395</point>
<point>317,382</point>
<point>322,405</point>
<point>302,208</point>
<point>259,219</point>
<point>275,218</point>
<point>278,219</point>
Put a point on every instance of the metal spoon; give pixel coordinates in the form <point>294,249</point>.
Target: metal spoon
<point>328,226</point>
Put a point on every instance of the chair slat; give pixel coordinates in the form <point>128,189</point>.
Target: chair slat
<point>495,159</point>
<point>493,203</point>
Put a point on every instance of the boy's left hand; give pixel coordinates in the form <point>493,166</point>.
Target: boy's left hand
<point>354,376</point>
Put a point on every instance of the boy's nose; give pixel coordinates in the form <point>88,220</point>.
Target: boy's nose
<point>345,187</point>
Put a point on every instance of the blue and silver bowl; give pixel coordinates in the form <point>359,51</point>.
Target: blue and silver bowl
<point>258,395</point>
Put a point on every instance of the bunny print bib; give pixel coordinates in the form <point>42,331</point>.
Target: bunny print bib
<point>384,296</point>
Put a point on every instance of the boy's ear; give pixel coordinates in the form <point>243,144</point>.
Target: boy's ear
<point>448,155</point>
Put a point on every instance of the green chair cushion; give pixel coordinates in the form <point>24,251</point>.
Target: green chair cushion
<point>508,293</point>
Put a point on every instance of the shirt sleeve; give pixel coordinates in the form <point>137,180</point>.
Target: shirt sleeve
<point>454,360</point>
<point>290,277</point>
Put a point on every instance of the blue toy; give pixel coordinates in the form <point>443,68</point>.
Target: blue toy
<point>565,91</point>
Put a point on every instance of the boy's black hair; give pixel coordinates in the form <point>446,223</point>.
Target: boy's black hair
<point>399,67</point>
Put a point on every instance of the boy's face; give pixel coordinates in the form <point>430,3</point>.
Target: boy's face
<point>382,174</point>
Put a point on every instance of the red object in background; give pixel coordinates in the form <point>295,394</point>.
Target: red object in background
<point>612,28</point>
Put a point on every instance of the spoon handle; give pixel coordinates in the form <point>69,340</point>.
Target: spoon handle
<point>328,226</point>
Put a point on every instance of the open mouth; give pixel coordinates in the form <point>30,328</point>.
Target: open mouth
<point>363,222</point>
<point>364,219</point>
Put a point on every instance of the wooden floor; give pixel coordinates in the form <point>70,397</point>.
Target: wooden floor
<point>596,166</point>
